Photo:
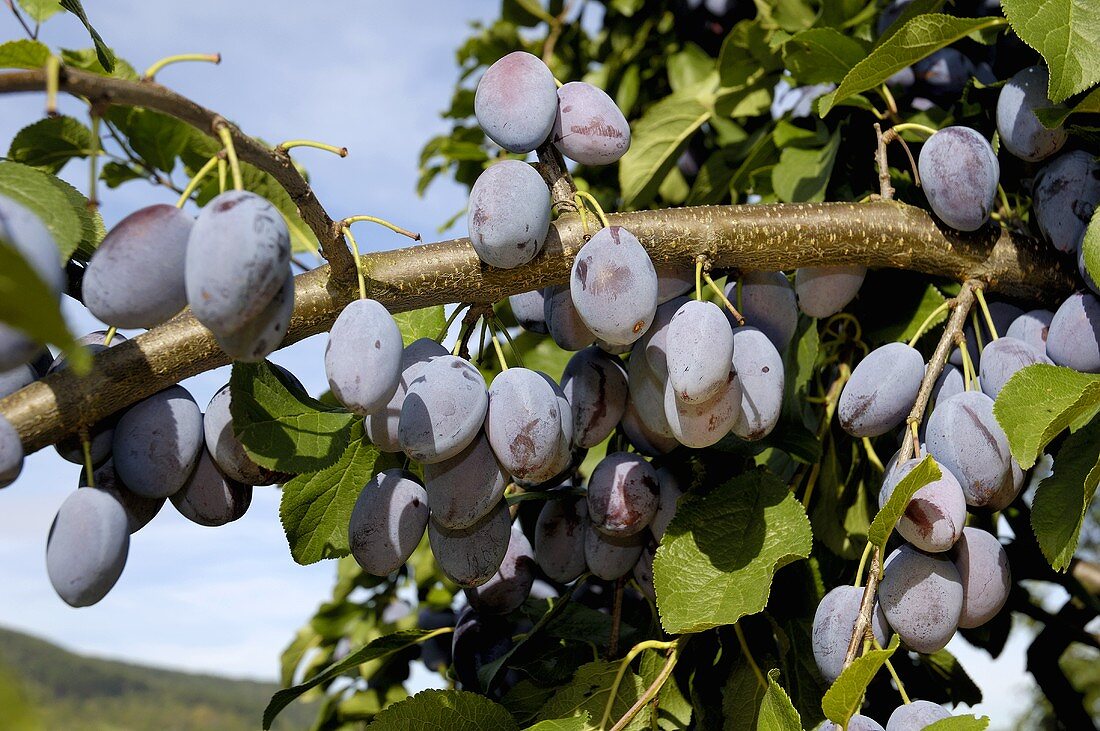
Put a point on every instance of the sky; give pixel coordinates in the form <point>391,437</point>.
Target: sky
<point>372,76</point>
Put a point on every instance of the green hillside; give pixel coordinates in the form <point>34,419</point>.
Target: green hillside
<point>45,687</point>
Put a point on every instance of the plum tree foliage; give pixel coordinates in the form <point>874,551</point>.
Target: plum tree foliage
<point>727,257</point>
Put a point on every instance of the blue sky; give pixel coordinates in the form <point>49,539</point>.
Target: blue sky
<point>369,75</point>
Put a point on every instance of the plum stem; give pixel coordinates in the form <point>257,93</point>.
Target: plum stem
<point>748,655</point>
<point>381,222</point>
<point>151,72</point>
<point>595,204</point>
<point>988,317</point>
<point>53,82</point>
<point>926,325</point>
<point>230,152</point>
<point>725,300</point>
<point>358,263</point>
<point>289,144</point>
<point>196,180</point>
<point>623,666</point>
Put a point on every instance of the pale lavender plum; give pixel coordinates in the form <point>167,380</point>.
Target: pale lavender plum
<point>11,453</point>
<point>1002,358</point>
<point>944,73</point>
<point>443,410</point>
<point>565,446</point>
<point>589,127</point>
<point>916,716</point>
<point>613,349</point>
<point>363,357</point>
<point>565,325</point>
<point>157,442</point>
<point>759,368</point>
<point>655,342</point>
<point>666,505</point>
<point>508,214</point>
<point>647,394</point>
<point>959,174</point>
<point>1010,490</point>
<point>262,335</point>
<point>934,518</point>
<point>387,522</point>
<point>238,256</point>
<point>698,351</point>
<point>834,621</point>
<point>525,425</point>
<point>381,426</point>
<point>210,498</point>
<point>881,390</point>
<point>767,302</point>
<point>140,510</point>
<point>135,278</point>
<point>986,576</point>
<point>610,557</point>
<point>825,291</point>
<point>28,234</point>
<point>641,437</point>
<point>857,722</point>
<point>16,378</point>
<point>226,449</point>
<point>511,584</point>
<point>87,546</point>
<point>1066,193</point>
<point>516,102</point>
<point>1073,339</point>
<point>469,557</point>
<point>673,281</point>
<point>559,538</point>
<point>529,309</point>
<point>623,493</point>
<point>701,424</point>
<point>465,488</point>
<point>1022,133</point>
<point>964,437</point>
<point>595,385</point>
<point>921,595</point>
<point>614,286</point>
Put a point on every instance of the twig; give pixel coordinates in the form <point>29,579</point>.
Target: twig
<point>885,189</point>
<point>955,323</point>
<point>654,687</point>
<point>18,16</point>
<point>616,618</point>
<point>553,170</point>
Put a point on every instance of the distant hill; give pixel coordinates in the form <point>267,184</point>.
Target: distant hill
<point>44,687</point>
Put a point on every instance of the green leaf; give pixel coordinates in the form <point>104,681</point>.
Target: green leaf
<point>845,697</point>
<point>920,37</point>
<point>87,59</point>
<point>40,10</point>
<point>23,54</point>
<point>379,648</point>
<point>1067,34</point>
<point>423,323</point>
<point>902,322</point>
<point>315,508</point>
<point>689,67</point>
<point>1090,246</point>
<point>741,697</point>
<point>1063,499</point>
<point>822,55</point>
<point>883,525</point>
<point>911,10</point>
<point>802,175</point>
<point>50,143</point>
<point>657,140</point>
<point>1041,400</point>
<point>577,723</point>
<point>1054,116</point>
<point>60,206</point>
<point>281,427</point>
<point>156,138</point>
<point>28,304</point>
<point>672,709</point>
<point>777,713</point>
<point>718,556</point>
<point>959,723</point>
<point>105,55</point>
<point>115,174</point>
<point>589,692</point>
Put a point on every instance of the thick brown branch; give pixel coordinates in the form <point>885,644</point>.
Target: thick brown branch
<point>104,91</point>
<point>761,237</point>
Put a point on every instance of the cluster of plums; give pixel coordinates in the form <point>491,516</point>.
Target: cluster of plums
<point>231,265</point>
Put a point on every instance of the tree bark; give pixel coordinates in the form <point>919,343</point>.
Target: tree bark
<point>760,237</point>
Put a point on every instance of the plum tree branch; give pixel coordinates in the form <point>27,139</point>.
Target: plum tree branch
<point>758,237</point>
<point>102,91</point>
